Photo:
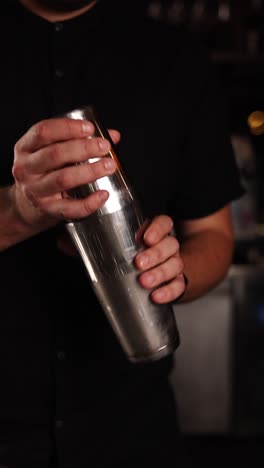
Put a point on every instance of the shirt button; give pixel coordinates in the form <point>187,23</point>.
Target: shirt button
<point>59,423</point>
<point>59,73</point>
<point>61,355</point>
<point>58,27</point>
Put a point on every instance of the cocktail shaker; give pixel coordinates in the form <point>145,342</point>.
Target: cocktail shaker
<point>108,241</point>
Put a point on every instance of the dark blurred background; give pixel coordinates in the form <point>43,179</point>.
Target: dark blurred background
<point>219,376</point>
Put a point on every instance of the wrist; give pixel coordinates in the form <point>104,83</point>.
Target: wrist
<point>20,217</point>
<point>15,210</point>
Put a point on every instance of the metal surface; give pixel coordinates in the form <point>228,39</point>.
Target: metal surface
<point>108,241</point>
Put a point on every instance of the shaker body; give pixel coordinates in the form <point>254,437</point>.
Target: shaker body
<point>108,241</point>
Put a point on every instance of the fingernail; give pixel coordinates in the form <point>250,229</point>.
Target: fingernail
<point>143,261</point>
<point>109,164</point>
<point>159,295</point>
<point>150,280</point>
<point>104,145</point>
<point>87,127</point>
<point>152,236</point>
<point>103,195</point>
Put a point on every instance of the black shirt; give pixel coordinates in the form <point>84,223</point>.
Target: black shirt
<point>64,378</point>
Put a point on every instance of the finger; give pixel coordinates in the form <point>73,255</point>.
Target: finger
<point>158,228</point>
<point>159,253</point>
<point>115,136</point>
<point>169,292</point>
<point>61,154</point>
<point>71,177</point>
<point>67,209</point>
<point>163,273</point>
<point>50,131</point>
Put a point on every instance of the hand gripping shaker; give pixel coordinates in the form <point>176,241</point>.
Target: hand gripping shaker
<point>108,241</point>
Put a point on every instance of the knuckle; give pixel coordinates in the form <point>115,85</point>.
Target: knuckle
<point>161,271</point>
<point>98,169</point>
<point>94,170</point>
<point>158,254</point>
<point>18,172</point>
<point>86,146</point>
<point>62,180</point>
<point>41,130</point>
<point>68,126</point>
<point>56,154</point>
<point>91,171</point>
<point>18,146</point>
<point>93,147</point>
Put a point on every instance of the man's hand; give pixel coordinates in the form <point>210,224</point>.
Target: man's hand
<point>160,263</point>
<point>45,167</point>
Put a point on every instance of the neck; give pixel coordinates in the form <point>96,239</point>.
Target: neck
<point>51,14</point>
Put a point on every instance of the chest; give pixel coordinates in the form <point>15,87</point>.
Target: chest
<point>54,74</point>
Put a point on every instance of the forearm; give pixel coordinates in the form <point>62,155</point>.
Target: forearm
<point>207,256</point>
<point>12,227</point>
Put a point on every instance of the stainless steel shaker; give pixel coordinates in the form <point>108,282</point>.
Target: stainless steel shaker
<point>108,241</point>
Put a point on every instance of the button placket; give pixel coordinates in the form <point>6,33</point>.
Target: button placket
<point>58,27</point>
<point>59,73</point>
<point>59,423</point>
<point>58,46</point>
<point>61,355</point>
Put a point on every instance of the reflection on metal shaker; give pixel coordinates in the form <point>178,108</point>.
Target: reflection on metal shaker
<point>108,241</point>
